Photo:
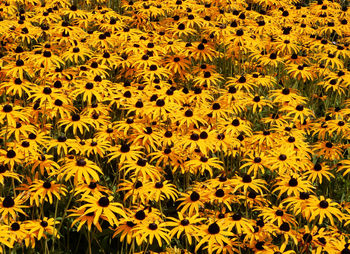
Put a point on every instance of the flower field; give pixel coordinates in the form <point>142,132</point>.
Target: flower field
<point>175,126</point>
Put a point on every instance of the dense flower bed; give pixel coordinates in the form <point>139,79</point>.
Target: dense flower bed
<point>174,126</point>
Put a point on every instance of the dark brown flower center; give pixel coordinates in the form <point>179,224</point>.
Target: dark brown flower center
<point>103,201</point>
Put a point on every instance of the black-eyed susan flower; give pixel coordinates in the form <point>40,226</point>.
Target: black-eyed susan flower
<point>104,208</point>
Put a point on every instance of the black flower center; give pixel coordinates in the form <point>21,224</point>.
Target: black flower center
<point>323,204</point>
<point>125,148</point>
<point>285,227</point>
<point>220,193</point>
<point>138,184</point>
<point>317,167</point>
<point>291,139</point>
<point>140,215</point>
<point>273,56</point>
<point>185,222</point>
<point>286,91</point>
<point>58,102</point>
<point>160,103</point>
<point>282,157</point>
<point>232,89</point>
<point>256,99</point>
<point>15,226</point>
<point>19,63</point>
<point>307,238</point>
<point>194,196</point>
<point>181,27</point>
<point>44,224</point>
<point>247,179</point>
<point>89,85</point>
<point>141,162</point>
<point>159,185</point>
<point>204,159</point>
<point>279,213</point>
<point>213,228</point>
<point>293,182</point>
<point>200,46</point>
<point>207,74</point>
<point>189,113</point>
<point>47,185</point>
<point>236,216</point>
<point>194,137</point>
<point>130,224</point>
<point>168,134</point>
<point>203,135</point>
<point>11,154</point>
<point>239,32</point>
<point>329,145</point>
<point>300,107</point>
<point>216,106</point>
<point>139,104</point>
<point>8,202</point>
<point>47,53</point>
<point>153,67</point>
<point>257,159</point>
<point>7,108</point>
<point>242,79</point>
<point>92,185</point>
<point>235,122</point>
<point>81,163</point>
<point>260,245</point>
<point>103,201</point>
<point>25,144</point>
<point>62,139</point>
<point>304,195</point>
<point>152,226</point>
<point>75,117</point>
